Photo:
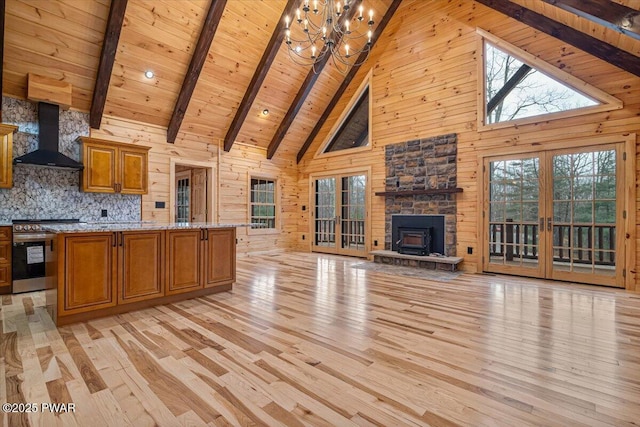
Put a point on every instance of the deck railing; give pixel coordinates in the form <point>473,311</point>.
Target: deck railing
<point>520,240</point>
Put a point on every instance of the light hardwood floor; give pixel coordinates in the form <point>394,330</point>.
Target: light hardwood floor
<point>305,339</point>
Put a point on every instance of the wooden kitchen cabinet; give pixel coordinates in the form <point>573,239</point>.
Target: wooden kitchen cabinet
<point>88,272</point>
<point>220,256</point>
<point>102,273</point>
<point>5,260</point>
<point>6,155</point>
<point>184,260</point>
<point>114,167</point>
<point>141,264</point>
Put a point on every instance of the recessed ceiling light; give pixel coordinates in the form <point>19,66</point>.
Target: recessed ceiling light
<point>265,112</point>
<point>149,74</point>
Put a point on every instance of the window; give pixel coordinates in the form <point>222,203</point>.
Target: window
<point>515,90</point>
<point>263,203</point>
<point>354,130</point>
<point>519,87</point>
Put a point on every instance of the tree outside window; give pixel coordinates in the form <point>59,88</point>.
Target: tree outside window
<point>515,90</point>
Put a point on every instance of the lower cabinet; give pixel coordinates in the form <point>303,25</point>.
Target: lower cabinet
<point>89,273</point>
<point>103,270</point>
<point>141,263</point>
<point>184,255</point>
<point>5,260</point>
<point>200,258</point>
<point>220,256</point>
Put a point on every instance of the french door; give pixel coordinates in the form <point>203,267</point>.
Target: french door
<point>556,214</point>
<point>340,214</point>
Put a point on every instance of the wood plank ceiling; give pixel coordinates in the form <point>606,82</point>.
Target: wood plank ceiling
<point>63,39</point>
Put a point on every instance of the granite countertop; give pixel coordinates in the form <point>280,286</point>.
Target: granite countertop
<point>132,226</point>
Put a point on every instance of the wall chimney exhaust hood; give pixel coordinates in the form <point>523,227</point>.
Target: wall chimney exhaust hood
<point>48,153</point>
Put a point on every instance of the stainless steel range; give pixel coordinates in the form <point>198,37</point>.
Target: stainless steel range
<point>33,254</point>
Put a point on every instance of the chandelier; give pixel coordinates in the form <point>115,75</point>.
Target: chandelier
<point>322,28</point>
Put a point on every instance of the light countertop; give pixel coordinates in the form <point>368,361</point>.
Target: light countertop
<point>84,227</point>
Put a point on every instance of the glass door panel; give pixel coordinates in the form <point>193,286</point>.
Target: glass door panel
<point>325,213</point>
<point>585,216</point>
<point>183,197</point>
<point>352,222</point>
<point>514,208</point>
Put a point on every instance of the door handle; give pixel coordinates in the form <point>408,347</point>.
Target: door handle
<point>541,224</point>
<point>121,239</point>
<point>115,239</point>
<point>549,224</point>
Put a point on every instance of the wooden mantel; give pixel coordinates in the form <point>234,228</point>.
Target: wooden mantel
<point>429,192</point>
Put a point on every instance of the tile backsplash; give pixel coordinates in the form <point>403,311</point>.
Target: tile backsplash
<point>46,193</point>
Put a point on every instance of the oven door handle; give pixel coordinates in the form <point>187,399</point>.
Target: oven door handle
<point>31,237</point>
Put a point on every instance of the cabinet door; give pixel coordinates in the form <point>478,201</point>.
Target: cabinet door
<point>6,160</point>
<point>141,260</point>
<point>220,255</point>
<point>99,174</point>
<point>5,260</point>
<point>90,273</point>
<point>184,262</point>
<point>133,171</point>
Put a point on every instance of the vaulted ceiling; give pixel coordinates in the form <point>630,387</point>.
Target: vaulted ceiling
<point>220,94</point>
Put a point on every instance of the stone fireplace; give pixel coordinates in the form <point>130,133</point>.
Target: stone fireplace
<point>419,175</point>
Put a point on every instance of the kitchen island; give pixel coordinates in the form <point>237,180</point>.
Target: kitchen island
<point>110,268</point>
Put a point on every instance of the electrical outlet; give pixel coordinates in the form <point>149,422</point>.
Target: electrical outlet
<point>375,243</point>
<point>304,207</point>
<point>303,237</point>
<point>469,250</point>
<point>103,213</point>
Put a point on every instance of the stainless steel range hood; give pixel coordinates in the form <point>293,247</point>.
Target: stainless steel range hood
<point>48,153</point>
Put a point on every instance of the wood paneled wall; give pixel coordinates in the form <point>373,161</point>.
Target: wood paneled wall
<point>425,84</point>
<point>231,180</point>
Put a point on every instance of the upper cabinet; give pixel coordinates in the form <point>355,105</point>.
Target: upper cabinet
<point>6,155</point>
<point>114,167</point>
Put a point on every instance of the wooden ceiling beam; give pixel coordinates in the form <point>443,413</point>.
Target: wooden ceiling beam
<point>578,39</point>
<point>258,77</point>
<point>302,94</point>
<point>107,59</point>
<point>349,77</point>
<point>195,67</point>
<point>614,16</point>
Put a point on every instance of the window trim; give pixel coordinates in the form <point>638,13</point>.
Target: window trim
<point>365,84</point>
<point>608,102</point>
<point>276,196</point>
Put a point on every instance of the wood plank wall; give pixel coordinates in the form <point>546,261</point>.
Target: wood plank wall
<point>232,169</point>
<point>425,84</point>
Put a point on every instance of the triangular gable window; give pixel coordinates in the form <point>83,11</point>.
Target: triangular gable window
<point>519,88</point>
<point>354,130</point>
